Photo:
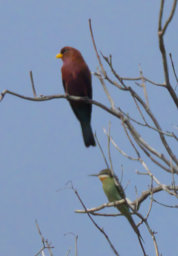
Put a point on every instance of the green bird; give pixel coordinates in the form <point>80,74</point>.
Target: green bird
<point>114,192</point>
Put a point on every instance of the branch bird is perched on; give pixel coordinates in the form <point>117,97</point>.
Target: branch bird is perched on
<point>76,78</point>
<point>114,192</point>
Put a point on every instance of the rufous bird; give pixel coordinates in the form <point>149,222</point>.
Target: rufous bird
<point>76,78</point>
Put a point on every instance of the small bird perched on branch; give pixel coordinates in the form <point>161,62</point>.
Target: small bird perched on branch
<point>76,78</point>
<point>114,192</point>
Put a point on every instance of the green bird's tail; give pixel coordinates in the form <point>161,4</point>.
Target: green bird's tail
<point>87,134</point>
<point>132,223</point>
<point>135,228</point>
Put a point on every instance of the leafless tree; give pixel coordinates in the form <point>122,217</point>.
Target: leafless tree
<point>163,158</point>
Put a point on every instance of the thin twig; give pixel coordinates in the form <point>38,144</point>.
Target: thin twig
<point>95,224</point>
<point>144,86</point>
<point>76,239</point>
<point>115,113</point>
<point>172,63</point>
<point>170,17</point>
<point>107,92</point>
<point>119,149</point>
<point>165,205</point>
<point>101,150</point>
<point>96,51</point>
<point>44,241</point>
<point>33,85</point>
<point>136,203</point>
<point>140,78</point>
<point>109,148</point>
<point>161,32</point>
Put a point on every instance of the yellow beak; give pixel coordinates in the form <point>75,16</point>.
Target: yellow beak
<point>59,55</point>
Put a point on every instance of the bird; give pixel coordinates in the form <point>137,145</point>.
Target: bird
<point>76,78</point>
<point>114,192</point>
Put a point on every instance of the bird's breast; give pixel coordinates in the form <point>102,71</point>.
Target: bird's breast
<point>77,80</point>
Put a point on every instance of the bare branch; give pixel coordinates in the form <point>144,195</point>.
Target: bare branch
<point>147,193</point>
<point>165,205</point>
<point>98,208</point>
<point>76,239</point>
<point>106,92</point>
<point>140,78</point>
<point>170,17</point>
<point>161,32</point>
<point>119,149</point>
<point>95,224</point>
<point>114,112</point>
<point>44,241</point>
<point>101,150</point>
<point>164,187</point>
<point>109,149</point>
<point>94,45</point>
<point>144,86</point>
<point>134,205</point>
<point>172,63</point>
<point>134,94</point>
<point>33,85</point>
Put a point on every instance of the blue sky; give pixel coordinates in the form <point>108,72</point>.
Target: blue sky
<point>41,145</point>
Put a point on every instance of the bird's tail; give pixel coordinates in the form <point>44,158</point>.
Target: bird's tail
<point>135,228</point>
<point>87,134</point>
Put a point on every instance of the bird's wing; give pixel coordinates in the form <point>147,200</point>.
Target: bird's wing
<point>119,187</point>
<point>77,82</point>
<point>85,77</point>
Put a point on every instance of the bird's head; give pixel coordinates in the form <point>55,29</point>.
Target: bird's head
<point>103,174</point>
<point>68,53</point>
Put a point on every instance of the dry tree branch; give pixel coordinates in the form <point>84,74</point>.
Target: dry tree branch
<point>98,75</point>
<point>98,208</point>
<point>165,205</point>
<point>143,84</point>
<point>114,112</point>
<point>68,252</point>
<point>121,79</point>
<point>133,205</point>
<point>170,16</point>
<point>101,150</point>
<point>102,68</point>
<point>166,133</point>
<point>107,92</point>
<point>164,187</point>
<point>33,85</point>
<point>109,149</point>
<point>150,114</point>
<point>44,241</point>
<point>93,41</point>
<point>93,210</point>
<point>76,242</point>
<point>147,193</point>
<point>119,149</point>
<point>146,167</point>
<point>172,63</point>
<point>140,78</point>
<point>147,109</point>
<point>60,96</point>
<point>144,145</point>
<point>161,32</point>
<point>162,137</point>
<point>134,94</point>
<point>144,220</point>
<point>95,224</point>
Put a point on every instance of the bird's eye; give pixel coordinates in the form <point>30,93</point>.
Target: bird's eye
<point>64,50</point>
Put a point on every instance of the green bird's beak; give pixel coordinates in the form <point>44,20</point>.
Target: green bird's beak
<point>94,175</point>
